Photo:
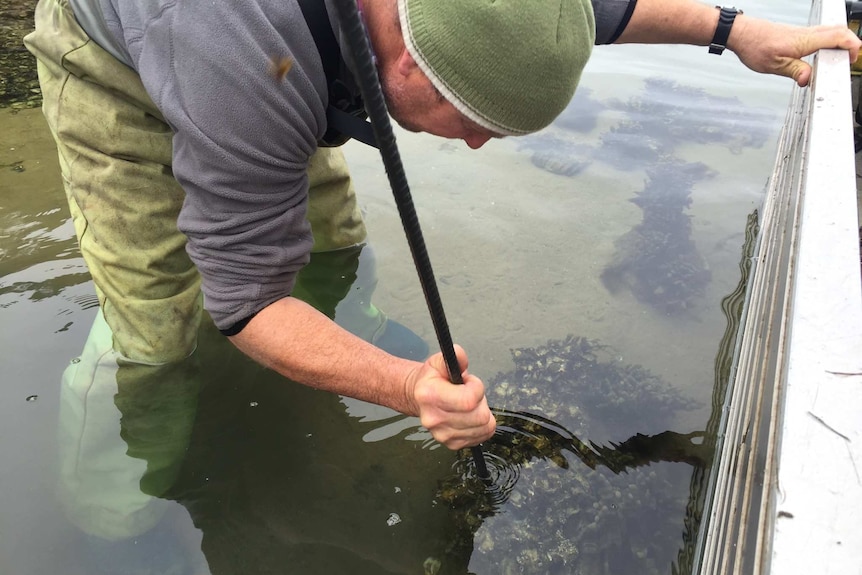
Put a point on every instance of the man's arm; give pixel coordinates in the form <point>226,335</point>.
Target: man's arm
<point>317,352</point>
<point>761,45</point>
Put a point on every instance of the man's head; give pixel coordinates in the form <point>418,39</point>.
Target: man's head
<point>508,66</point>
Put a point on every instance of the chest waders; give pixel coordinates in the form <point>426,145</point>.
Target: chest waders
<point>345,119</point>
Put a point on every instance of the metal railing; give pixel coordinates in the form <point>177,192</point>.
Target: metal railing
<point>785,491</point>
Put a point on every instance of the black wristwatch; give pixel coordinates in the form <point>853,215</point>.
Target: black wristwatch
<point>726,17</point>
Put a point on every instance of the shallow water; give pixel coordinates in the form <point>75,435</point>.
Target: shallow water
<point>218,466</point>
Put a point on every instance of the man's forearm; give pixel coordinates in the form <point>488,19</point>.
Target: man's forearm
<point>763,46</point>
<point>671,22</point>
<point>296,340</point>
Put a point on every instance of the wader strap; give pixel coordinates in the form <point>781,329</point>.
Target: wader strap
<point>345,114</point>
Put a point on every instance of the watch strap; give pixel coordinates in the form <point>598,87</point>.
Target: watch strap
<point>726,16</point>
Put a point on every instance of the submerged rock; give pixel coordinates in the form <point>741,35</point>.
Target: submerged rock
<point>557,155</point>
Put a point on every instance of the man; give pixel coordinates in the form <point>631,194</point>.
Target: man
<point>194,127</point>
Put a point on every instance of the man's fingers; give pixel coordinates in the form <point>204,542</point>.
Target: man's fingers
<point>799,71</point>
<point>845,39</point>
<point>438,362</point>
<point>779,49</point>
<point>456,415</point>
<point>822,37</point>
<point>460,398</point>
<point>455,439</point>
<point>831,37</point>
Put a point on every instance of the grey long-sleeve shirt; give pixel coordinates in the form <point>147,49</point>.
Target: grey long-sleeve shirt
<point>242,140</point>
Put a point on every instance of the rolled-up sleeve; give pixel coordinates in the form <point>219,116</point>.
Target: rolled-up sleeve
<point>242,140</point>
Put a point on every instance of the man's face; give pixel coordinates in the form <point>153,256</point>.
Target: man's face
<point>418,107</point>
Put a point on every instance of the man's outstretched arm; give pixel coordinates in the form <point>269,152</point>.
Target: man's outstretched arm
<point>760,44</point>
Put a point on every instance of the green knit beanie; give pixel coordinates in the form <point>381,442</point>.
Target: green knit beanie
<point>511,66</point>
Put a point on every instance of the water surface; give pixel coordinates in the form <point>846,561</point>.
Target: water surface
<point>582,268</point>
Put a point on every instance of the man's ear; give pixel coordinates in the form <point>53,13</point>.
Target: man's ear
<point>406,64</point>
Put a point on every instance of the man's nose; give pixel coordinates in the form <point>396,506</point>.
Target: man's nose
<point>476,141</point>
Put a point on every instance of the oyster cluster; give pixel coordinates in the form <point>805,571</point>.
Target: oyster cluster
<point>580,373</point>
<point>657,259</point>
<point>563,497</point>
<point>667,114</point>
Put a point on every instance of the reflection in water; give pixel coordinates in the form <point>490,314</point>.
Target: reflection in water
<point>267,473</point>
<point>51,287</point>
<point>113,469</point>
<point>261,496</point>
<point>523,437</point>
<point>39,257</point>
<point>273,476</point>
<point>29,239</point>
<point>258,494</point>
<point>702,485</point>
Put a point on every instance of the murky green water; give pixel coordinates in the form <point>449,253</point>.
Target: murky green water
<point>622,225</point>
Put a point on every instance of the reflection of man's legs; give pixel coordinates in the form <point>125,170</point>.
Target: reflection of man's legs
<point>99,484</point>
<point>342,274</point>
<point>340,284</point>
<point>123,433</point>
